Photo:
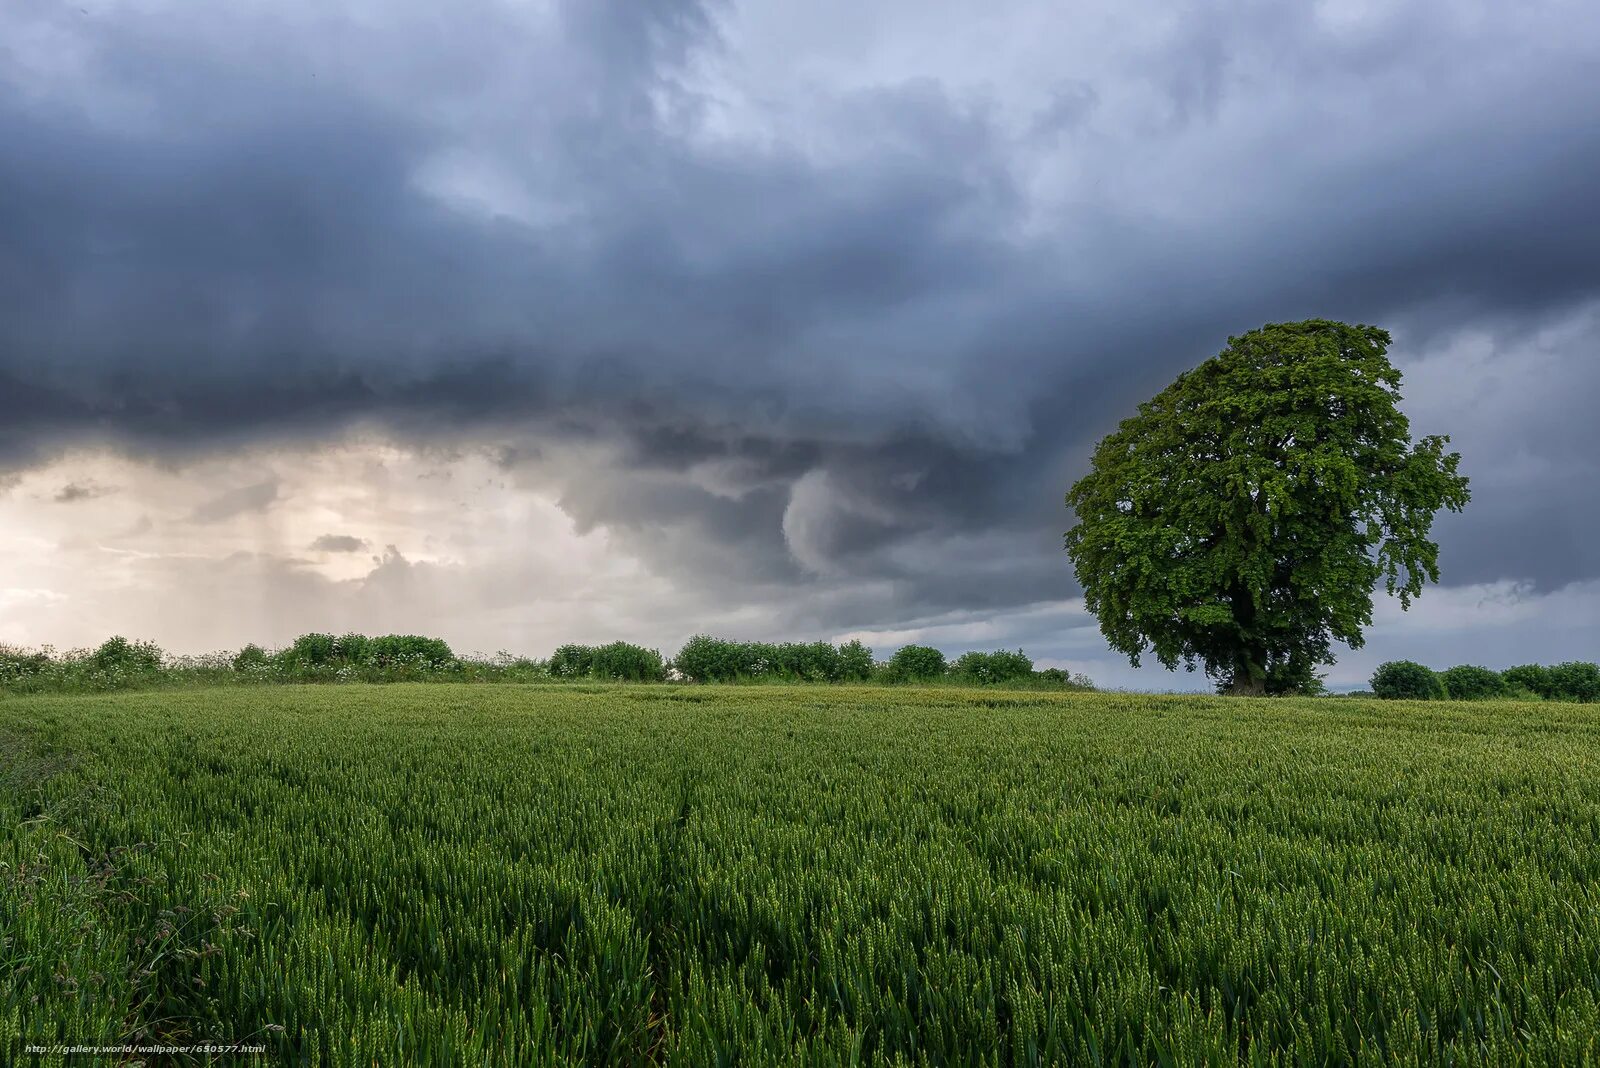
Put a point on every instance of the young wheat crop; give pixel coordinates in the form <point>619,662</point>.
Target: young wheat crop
<point>444,874</point>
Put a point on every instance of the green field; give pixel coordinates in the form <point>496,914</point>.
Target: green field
<point>450,874</point>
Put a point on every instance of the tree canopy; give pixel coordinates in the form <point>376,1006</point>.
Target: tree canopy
<point>1242,519</point>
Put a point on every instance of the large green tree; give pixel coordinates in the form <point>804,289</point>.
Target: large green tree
<point>1241,521</point>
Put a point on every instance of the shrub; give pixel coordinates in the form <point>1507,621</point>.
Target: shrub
<point>789,660</point>
<point>807,661</point>
<point>352,648</point>
<point>393,650</point>
<point>915,663</point>
<point>1534,678</point>
<point>16,664</point>
<point>707,659</point>
<point>622,661</point>
<point>1575,681</point>
<point>855,662</point>
<point>1468,682</point>
<point>1005,665</point>
<point>311,650</point>
<point>1407,680</point>
<point>1062,677</point>
<point>571,662</point>
<point>251,656</point>
<point>755,659</point>
<point>130,658</point>
<point>986,668</point>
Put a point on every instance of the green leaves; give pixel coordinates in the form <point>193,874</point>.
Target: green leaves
<point>616,662</point>
<point>1407,680</point>
<point>1240,521</point>
<point>915,663</point>
<point>707,659</point>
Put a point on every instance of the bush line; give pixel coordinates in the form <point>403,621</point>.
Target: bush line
<point>1408,680</point>
<point>311,658</point>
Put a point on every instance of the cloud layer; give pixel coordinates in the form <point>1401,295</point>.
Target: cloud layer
<point>812,319</point>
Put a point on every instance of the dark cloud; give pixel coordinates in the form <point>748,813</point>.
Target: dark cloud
<point>339,543</point>
<point>864,349</point>
<point>80,491</point>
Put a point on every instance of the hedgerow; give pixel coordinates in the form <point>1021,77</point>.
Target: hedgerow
<point>325,657</point>
<point>1577,681</point>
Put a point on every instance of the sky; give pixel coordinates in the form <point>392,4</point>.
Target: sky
<point>519,322</point>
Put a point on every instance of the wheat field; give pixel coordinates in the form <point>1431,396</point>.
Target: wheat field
<point>455,874</point>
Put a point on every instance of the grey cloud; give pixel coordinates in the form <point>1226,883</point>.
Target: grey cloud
<point>80,491</point>
<point>339,543</point>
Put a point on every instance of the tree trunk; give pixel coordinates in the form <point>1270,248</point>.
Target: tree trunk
<point>1249,659</point>
<point>1247,685</point>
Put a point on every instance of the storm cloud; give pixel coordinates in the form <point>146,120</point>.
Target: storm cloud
<point>815,316</point>
<point>339,543</point>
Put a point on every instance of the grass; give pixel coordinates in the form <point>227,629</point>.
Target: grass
<point>451,874</point>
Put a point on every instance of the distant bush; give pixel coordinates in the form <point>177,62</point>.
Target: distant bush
<point>571,662</point>
<point>1533,678</point>
<point>855,662</point>
<point>251,657</point>
<point>914,663</point>
<point>1361,693</point>
<point>118,654</point>
<point>311,650</point>
<point>319,657</point>
<point>1407,680</point>
<point>351,648</point>
<point>1060,677</point>
<point>17,664</point>
<point>986,668</point>
<point>760,659</point>
<point>394,650</point>
<point>1575,681</point>
<point>707,659</point>
<point>388,652</point>
<point>627,663</point>
<point>807,661</point>
<point>1468,682</point>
